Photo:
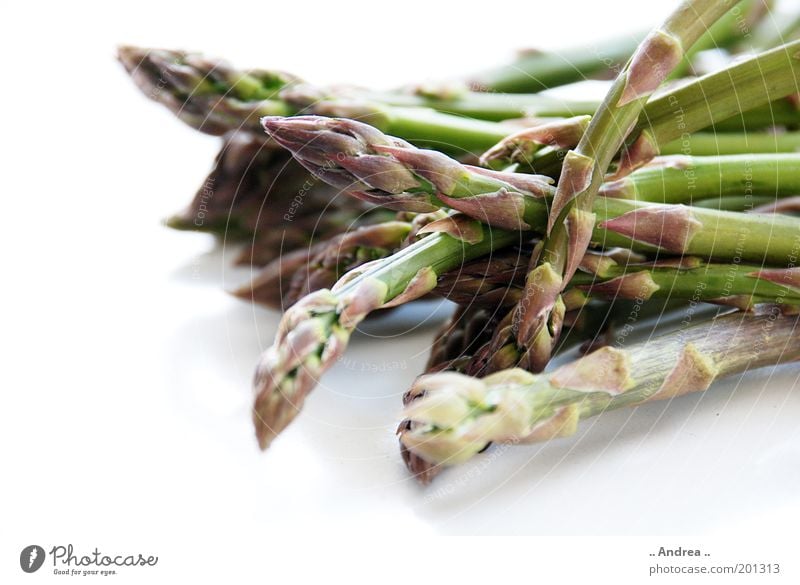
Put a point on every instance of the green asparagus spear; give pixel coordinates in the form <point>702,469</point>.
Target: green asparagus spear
<point>390,172</point>
<point>459,415</point>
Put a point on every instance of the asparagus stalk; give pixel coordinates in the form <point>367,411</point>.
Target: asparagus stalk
<point>370,237</point>
<point>213,97</point>
<point>684,179</point>
<point>470,327</point>
<point>718,96</point>
<point>520,107</point>
<point>285,280</point>
<point>459,415</point>
<point>730,32</point>
<point>689,279</point>
<point>460,342</point>
<point>571,218</point>
<point>747,94</point>
<point>315,331</point>
<point>709,144</point>
<point>389,171</point>
<point>392,173</point>
<point>493,107</point>
<point>535,71</point>
<point>498,281</point>
<point>743,203</point>
<point>548,160</point>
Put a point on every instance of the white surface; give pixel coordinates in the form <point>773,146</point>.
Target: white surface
<point>127,368</point>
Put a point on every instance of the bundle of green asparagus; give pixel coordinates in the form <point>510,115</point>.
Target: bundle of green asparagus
<point>549,223</point>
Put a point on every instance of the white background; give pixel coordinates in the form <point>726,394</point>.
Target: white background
<point>126,366</point>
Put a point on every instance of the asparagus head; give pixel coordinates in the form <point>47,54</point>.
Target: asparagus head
<point>207,94</point>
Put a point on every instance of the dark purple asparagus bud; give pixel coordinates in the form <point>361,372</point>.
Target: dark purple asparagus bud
<point>250,185</point>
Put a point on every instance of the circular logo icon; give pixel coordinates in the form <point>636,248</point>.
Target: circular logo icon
<point>31,558</point>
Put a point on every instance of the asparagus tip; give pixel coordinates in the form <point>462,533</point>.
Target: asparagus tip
<point>421,469</point>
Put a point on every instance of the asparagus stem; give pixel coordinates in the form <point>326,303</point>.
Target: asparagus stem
<point>548,161</point>
<point>469,328</point>
<point>710,144</point>
<point>571,219</point>
<point>743,203</point>
<point>315,331</point>
<point>489,106</point>
<point>498,280</point>
<point>745,95</point>
<point>683,179</point>
<point>731,28</point>
<point>392,173</point>
<point>458,415</point>
<point>691,279</point>
<point>286,279</point>
<point>212,97</point>
<point>535,71</point>
<point>718,96</point>
<point>709,233</point>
